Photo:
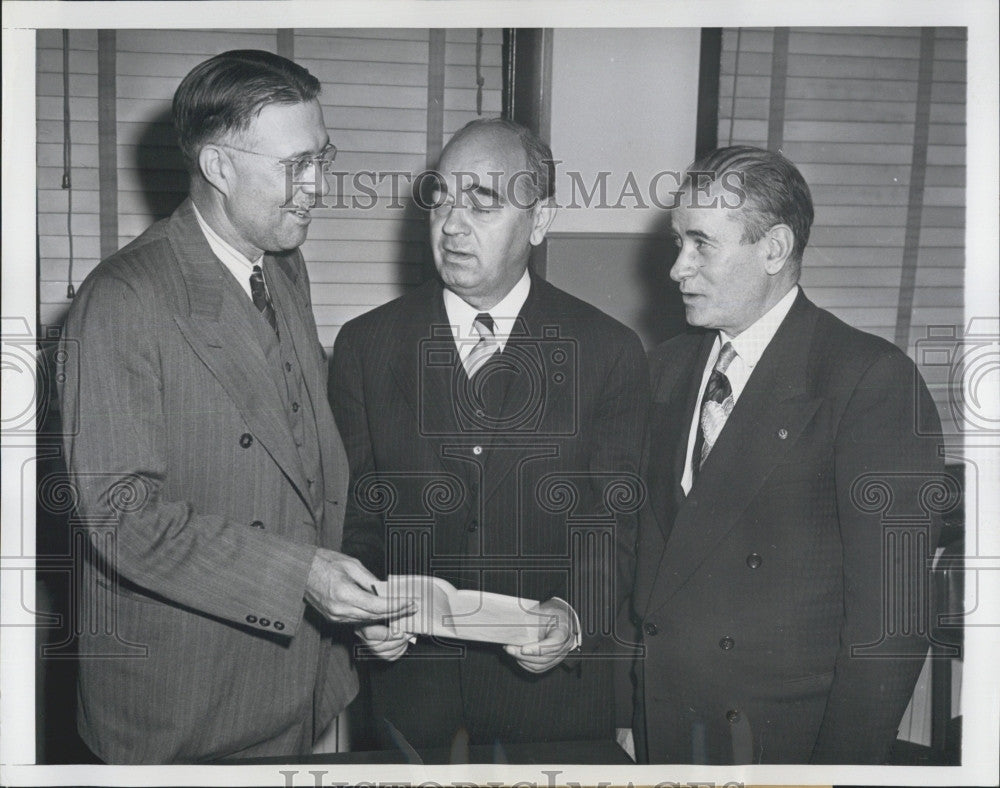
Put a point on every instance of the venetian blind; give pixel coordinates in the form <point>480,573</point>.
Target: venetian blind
<point>844,105</point>
<point>376,98</point>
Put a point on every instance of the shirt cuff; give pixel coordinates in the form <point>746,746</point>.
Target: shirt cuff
<point>574,621</point>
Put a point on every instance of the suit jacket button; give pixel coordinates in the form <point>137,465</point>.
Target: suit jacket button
<point>265,622</point>
<point>754,560</point>
<point>246,440</point>
<point>278,625</point>
<point>256,524</point>
<point>473,525</point>
<point>477,450</point>
<point>295,407</point>
<point>650,628</point>
<point>733,715</point>
<point>726,643</point>
<point>288,366</point>
<point>251,619</point>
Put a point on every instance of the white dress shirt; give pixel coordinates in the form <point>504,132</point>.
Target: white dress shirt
<point>461,316</point>
<point>749,346</point>
<point>235,262</point>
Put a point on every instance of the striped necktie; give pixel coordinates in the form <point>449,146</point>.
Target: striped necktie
<point>261,300</point>
<point>485,347</point>
<point>716,405</point>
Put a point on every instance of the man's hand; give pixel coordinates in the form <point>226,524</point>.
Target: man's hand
<point>379,638</point>
<point>341,589</point>
<point>557,640</point>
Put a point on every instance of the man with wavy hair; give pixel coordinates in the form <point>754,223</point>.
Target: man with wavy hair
<point>776,608</point>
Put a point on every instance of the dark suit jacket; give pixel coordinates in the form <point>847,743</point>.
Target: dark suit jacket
<point>753,590</point>
<point>535,497</point>
<point>191,486</point>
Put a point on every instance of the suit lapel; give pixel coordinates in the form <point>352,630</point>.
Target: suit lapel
<point>224,341</point>
<point>667,438</point>
<point>423,363</point>
<point>298,328</point>
<point>770,415</point>
<point>674,399</point>
<point>689,405</point>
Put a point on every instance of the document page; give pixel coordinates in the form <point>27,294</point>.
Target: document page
<point>444,611</point>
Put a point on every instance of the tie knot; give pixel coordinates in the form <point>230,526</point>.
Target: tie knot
<point>726,356</point>
<point>483,324</point>
<point>257,280</point>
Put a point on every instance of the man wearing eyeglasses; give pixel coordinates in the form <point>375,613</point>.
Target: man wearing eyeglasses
<point>206,461</point>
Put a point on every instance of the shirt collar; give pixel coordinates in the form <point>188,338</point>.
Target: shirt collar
<point>752,342</point>
<point>461,314</point>
<point>240,265</point>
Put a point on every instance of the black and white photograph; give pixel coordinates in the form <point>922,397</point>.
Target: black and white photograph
<point>473,393</point>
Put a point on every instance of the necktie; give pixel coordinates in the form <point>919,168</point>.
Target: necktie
<point>716,406</point>
<point>485,347</point>
<point>261,300</point>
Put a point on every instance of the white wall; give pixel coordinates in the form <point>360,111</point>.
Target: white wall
<point>623,100</point>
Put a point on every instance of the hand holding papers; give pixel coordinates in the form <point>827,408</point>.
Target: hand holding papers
<point>556,641</point>
<point>339,587</point>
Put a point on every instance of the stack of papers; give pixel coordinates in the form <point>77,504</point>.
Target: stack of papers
<point>444,611</point>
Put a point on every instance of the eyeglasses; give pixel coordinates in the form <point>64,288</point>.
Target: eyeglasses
<point>300,164</point>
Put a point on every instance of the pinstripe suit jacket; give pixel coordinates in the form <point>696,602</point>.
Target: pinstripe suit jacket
<point>760,593</point>
<point>567,438</point>
<point>197,643</point>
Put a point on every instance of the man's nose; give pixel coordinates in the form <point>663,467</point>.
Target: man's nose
<point>456,220</point>
<point>683,266</point>
<point>314,180</point>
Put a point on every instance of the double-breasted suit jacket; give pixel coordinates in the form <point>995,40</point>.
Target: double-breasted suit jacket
<point>521,481</point>
<point>208,469</point>
<point>761,594</point>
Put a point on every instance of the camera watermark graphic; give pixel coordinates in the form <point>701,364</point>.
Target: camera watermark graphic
<point>43,366</point>
<point>962,370</point>
<point>529,390</point>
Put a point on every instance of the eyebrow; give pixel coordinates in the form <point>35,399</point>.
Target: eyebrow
<point>697,234</point>
<point>486,192</point>
<point>301,154</point>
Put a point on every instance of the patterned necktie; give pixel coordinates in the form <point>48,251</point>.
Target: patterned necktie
<point>261,300</point>
<point>716,405</point>
<point>485,347</point>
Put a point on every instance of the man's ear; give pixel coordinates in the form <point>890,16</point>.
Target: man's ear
<point>216,168</point>
<point>778,244</point>
<point>541,219</point>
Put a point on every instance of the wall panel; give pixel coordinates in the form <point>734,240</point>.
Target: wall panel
<point>851,124</point>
